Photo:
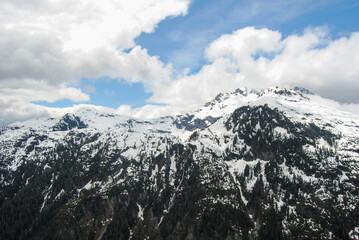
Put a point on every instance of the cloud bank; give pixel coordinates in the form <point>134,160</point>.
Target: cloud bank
<point>48,46</point>
<point>259,58</point>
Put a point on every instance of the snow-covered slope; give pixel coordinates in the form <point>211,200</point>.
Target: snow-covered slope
<point>270,164</point>
<point>298,104</point>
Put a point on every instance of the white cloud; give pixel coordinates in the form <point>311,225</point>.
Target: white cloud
<point>47,46</point>
<point>194,90</point>
<point>242,43</point>
<point>149,111</point>
<point>259,58</point>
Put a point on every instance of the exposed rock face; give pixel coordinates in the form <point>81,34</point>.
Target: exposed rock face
<point>273,164</point>
<point>69,122</point>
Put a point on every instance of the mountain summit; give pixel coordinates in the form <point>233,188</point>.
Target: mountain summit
<point>272,164</point>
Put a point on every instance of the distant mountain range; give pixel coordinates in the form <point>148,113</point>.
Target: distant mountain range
<point>272,164</point>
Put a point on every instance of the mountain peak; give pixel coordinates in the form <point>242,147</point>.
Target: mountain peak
<point>303,90</point>
<point>244,92</point>
<point>225,103</point>
<point>280,91</point>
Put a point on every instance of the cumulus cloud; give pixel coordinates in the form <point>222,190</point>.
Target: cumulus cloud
<point>149,111</point>
<point>47,46</point>
<point>259,58</point>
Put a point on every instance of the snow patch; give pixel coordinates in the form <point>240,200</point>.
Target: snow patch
<point>140,212</point>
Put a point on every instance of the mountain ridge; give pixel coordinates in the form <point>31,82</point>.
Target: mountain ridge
<point>271,164</point>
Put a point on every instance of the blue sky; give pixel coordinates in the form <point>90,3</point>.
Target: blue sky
<point>107,92</point>
<point>157,57</point>
<point>182,40</point>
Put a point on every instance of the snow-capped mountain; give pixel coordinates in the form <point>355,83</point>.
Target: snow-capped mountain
<point>272,164</point>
